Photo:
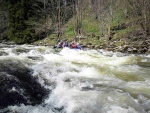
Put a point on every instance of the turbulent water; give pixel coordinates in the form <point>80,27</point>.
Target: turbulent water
<point>84,81</point>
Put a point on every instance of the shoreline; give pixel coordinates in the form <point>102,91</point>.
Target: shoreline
<point>123,49</point>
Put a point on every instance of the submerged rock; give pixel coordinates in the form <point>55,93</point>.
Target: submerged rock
<point>18,86</point>
<point>2,53</point>
<point>144,64</point>
<point>11,91</point>
<point>35,58</point>
<point>20,50</point>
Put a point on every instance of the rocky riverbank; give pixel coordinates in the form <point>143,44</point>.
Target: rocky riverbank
<point>134,43</point>
<point>142,48</point>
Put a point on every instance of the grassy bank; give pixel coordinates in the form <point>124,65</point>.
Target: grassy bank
<point>123,34</point>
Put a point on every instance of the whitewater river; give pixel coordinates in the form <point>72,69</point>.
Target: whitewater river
<point>80,81</point>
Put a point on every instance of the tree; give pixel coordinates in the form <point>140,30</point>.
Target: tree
<point>3,20</point>
<point>19,13</point>
<point>80,12</point>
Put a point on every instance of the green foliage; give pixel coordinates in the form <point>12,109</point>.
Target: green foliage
<point>30,20</point>
<point>118,17</point>
<point>90,25</point>
<point>70,30</point>
<point>19,11</point>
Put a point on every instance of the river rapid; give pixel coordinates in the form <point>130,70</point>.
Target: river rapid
<point>81,81</point>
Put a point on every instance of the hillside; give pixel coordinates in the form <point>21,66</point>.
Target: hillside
<point>122,31</point>
<point>113,25</point>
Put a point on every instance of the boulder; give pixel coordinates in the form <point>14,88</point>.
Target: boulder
<point>125,48</point>
<point>17,85</point>
<point>83,45</point>
<point>143,64</point>
<point>97,46</point>
<point>143,50</point>
<point>134,38</point>
<point>129,50</point>
<point>101,47</point>
<point>90,43</point>
<point>92,46</point>
<point>20,50</point>
<point>148,50</point>
<point>11,91</point>
<point>2,53</point>
<point>111,44</point>
<point>88,46</point>
<point>135,50</point>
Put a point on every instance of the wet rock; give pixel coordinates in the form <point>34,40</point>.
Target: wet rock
<point>144,50</point>
<point>144,103</point>
<point>87,88</point>
<point>6,46</point>
<point>92,46</point>
<point>111,44</point>
<point>142,43</point>
<point>2,53</point>
<point>67,80</point>
<point>116,49</point>
<point>135,50</point>
<point>7,42</point>
<point>35,58</point>
<point>20,50</point>
<point>143,64</point>
<point>18,85</point>
<point>11,91</point>
<point>134,38</point>
<point>89,43</point>
<point>59,109</point>
<point>129,50</point>
<point>109,49</point>
<point>125,47</point>
<point>88,46</point>
<point>100,47</point>
<point>83,45</point>
<point>97,46</point>
<point>148,50</point>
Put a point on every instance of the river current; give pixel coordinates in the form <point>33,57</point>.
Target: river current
<point>84,81</point>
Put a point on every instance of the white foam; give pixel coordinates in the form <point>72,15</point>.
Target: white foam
<point>118,109</point>
<point>70,71</point>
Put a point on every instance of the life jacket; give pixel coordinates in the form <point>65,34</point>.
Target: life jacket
<point>65,44</point>
<point>60,44</point>
<point>79,47</point>
<point>73,45</point>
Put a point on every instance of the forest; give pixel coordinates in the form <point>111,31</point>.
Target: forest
<point>102,22</point>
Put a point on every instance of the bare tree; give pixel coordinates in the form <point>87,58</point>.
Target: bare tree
<point>140,8</point>
<point>3,20</point>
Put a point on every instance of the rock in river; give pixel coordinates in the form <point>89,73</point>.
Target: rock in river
<point>17,85</point>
